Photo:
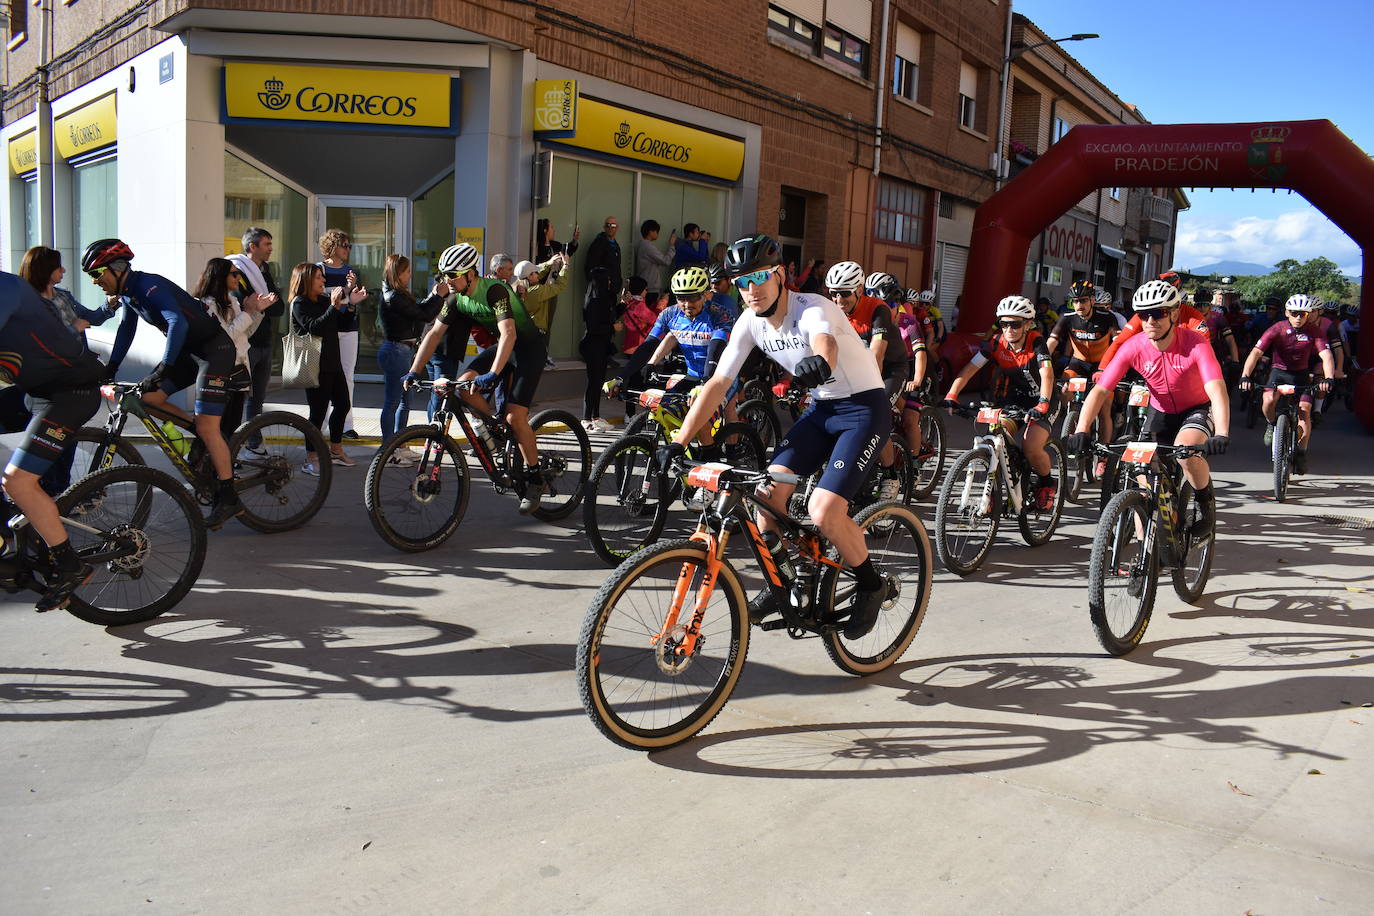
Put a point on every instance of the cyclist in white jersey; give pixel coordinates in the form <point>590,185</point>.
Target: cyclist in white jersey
<point>812,339</point>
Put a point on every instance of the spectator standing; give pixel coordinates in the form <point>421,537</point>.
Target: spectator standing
<point>649,260</point>
<point>538,286</point>
<point>723,293</point>
<point>256,272</point>
<point>638,317</point>
<point>604,254</point>
<point>502,268</point>
<point>218,288</point>
<point>718,254</point>
<point>548,246</point>
<point>601,311</point>
<point>693,249</point>
<point>403,323</point>
<point>312,312</point>
<point>336,248</point>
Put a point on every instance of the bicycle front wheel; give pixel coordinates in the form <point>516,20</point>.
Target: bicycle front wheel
<point>145,537</point>
<point>637,687</point>
<point>900,550</point>
<point>1195,549</point>
<point>417,488</point>
<point>968,512</point>
<point>930,460</point>
<point>626,502</point>
<point>1283,455</point>
<point>93,454</point>
<point>268,452</point>
<point>565,457</point>
<point>1122,574</point>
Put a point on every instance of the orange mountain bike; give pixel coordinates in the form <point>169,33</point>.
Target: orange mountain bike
<point>666,636</point>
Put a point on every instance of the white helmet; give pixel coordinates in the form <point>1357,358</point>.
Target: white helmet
<point>458,259</point>
<point>1104,297</point>
<point>873,280</point>
<point>1154,294</point>
<point>1301,303</point>
<point>1016,307</point>
<point>928,295</point>
<point>913,295</point>
<point>845,275</point>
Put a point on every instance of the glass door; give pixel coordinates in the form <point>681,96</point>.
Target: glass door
<point>378,226</point>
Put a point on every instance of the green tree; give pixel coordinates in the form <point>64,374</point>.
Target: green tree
<point>1318,277</point>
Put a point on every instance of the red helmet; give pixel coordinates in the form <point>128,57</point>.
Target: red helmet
<point>102,252</point>
<point>1172,278</point>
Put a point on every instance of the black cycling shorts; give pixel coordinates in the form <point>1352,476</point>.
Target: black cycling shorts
<point>208,365</point>
<point>525,368</point>
<point>845,434</point>
<point>894,382</point>
<point>56,418</point>
<point>1279,377</point>
<point>1081,367</point>
<point>1165,427</point>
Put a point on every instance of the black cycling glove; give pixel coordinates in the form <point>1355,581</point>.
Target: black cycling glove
<point>1217,445</point>
<point>1077,443</point>
<point>812,371</point>
<point>668,454</point>
<point>154,378</point>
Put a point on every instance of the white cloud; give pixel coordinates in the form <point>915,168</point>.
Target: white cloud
<point>1299,234</point>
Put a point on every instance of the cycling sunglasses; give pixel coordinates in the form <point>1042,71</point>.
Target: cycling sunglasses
<point>1011,325</point>
<point>450,274</point>
<point>842,293</point>
<point>1293,313</point>
<point>754,279</point>
<point>95,273</point>
<point>1153,314</point>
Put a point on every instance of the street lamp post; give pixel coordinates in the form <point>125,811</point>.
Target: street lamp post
<point>1010,55</point>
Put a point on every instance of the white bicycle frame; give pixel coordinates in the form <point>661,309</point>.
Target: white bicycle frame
<point>995,443</point>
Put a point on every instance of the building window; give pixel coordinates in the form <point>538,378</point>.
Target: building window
<point>788,24</point>
<point>1061,127</point>
<point>946,206</point>
<point>900,213</point>
<point>1054,276</point>
<point>95,214</point>
<point>19,19</point>
<point>1032,269</point>
<point>968,96</point>
<point>1115,193</point>
<point>1128,271</point>
<point>846,50</point>
<point>906,70</point>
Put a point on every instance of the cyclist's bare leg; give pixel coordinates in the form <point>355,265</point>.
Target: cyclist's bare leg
<point>209,432</point>
<point>1104,423</point>
<point>1268,405</point>
<point>1034,442</point>
<point>38,507</point>
<point>911,428</point>
<point>1194,469</point>
<point>775,495</point>
<point>830,512</point>
<point>473,398</point>
<point>519,419</point>
<point>158,400</point>
<point>1304,423</point>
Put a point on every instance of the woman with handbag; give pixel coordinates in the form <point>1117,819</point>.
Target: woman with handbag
<point>315,318</point>
<point>218,288</point>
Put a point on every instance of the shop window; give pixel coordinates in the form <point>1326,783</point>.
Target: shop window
<point>1032,269</point>
<point>30,212</point>
<point>1054,276</point>
<point>431,232</point>
<point>900,213</point>
<point>95,215</point>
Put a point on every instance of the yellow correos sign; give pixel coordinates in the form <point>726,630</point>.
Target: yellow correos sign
<point>88,128</point>
<point>24,152</point>
<point>281,92</point>
<point>555,107</point>
<point>604,128</point>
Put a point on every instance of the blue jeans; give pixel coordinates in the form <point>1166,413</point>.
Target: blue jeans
<point>395,359</point>
<point>440,367</point>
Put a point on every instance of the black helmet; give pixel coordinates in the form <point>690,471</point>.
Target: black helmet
<point>889,290</point>
<point>1203,296</point>
<point>716,271</point>
<point>747,255</point>
<point>103,252</point>
<point>1079,289</point>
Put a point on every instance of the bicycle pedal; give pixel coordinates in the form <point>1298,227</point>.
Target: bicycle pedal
<point>775,624</point>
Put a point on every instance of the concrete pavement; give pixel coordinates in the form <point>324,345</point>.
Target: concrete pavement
<point>327,726</point>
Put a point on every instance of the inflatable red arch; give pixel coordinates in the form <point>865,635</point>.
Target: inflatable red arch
<point>1311,157</point>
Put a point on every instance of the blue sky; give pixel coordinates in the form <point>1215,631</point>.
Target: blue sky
<point>1197,61</point>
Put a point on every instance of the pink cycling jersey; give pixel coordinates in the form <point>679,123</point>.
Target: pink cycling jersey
<point>1174,376</point>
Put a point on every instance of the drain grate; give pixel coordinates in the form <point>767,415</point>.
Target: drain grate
<point>1348,521</point>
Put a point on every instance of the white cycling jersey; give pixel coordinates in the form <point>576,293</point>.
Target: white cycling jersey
<point>807,314</point>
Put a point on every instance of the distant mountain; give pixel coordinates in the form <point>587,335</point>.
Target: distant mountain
<point>1232,269</point>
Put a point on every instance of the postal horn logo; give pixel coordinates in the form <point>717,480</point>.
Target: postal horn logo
<point>622,139</point>
<point>274,96</point>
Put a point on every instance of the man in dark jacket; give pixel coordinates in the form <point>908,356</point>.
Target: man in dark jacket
<point>601,311</point>
<point>604,254</point>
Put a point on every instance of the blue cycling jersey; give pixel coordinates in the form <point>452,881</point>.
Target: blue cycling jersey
<point>726,303</point>
<point>693,335</point>
<point>167,307</point>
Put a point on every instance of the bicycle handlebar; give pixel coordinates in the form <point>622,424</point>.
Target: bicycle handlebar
<point>734,475</point>
<point>1176,452</point>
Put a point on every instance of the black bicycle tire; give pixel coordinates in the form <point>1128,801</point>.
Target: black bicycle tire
<point>1282,455</point>
<point>592,527</point>
<point>947,558</point>
<point>759,408</point>
<point>1097,611</point>
<point>554,415</point>
<point>835,645</point>
<point>315,442</point>
<point>939,454</point>
<point>1187,498</point>
<point>372,497</point>
<point>1059,467</point>
<point>79,606</point>
<point>589,646</point>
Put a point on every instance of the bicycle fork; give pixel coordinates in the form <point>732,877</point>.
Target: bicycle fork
<point>673,638</point>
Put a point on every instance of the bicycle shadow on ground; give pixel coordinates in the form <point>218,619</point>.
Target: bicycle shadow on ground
<point>979,706</point>
<point>1311,604</point>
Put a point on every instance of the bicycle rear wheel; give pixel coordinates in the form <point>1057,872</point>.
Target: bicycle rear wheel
<point>1122,574</point>
<point>268,452</point>
<point>1283,455</point>
<point>1037,525</point>
<point>92,454</point>
<point>417,488</point>
<point>741,446</point>
<point>1195,565</point>
<point>759,414</point>
<point>626,502</point>
<point>636,689</point>
<point>930,461</point>
<point>151,534</point>
<point>565,458</point>
<point>967,513</point>
<point>900,550</point>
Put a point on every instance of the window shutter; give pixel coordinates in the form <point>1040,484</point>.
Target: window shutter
<point>854,16</point>
<point>968,80</point>
<point>908,43</point>
<point>813,11</point>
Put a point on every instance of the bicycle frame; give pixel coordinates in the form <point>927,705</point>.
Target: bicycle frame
<point>126,400</point>
<point>1162,472</point>
<point>455,408</point>
<point>997,441</point>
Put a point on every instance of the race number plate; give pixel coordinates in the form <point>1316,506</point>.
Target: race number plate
<point>651,398</point>
<point>1139,452</point>
<point>108,391</point>
<point>1078,384</point>
<point>1140,396</point>
<point>674,379</point>
<point>989,415</point>
<point>707,476</point>
<point>1288,389</point>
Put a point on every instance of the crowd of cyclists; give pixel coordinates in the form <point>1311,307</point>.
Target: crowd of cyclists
<point>864,352</point>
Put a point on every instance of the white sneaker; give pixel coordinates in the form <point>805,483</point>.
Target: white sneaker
<point>600,425</point>
<point>401,460</point>
<point>247,454</point>
<point>550,364</point>
<point>590,426</point>
<point>890,489</point>
<point>310,469</point>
